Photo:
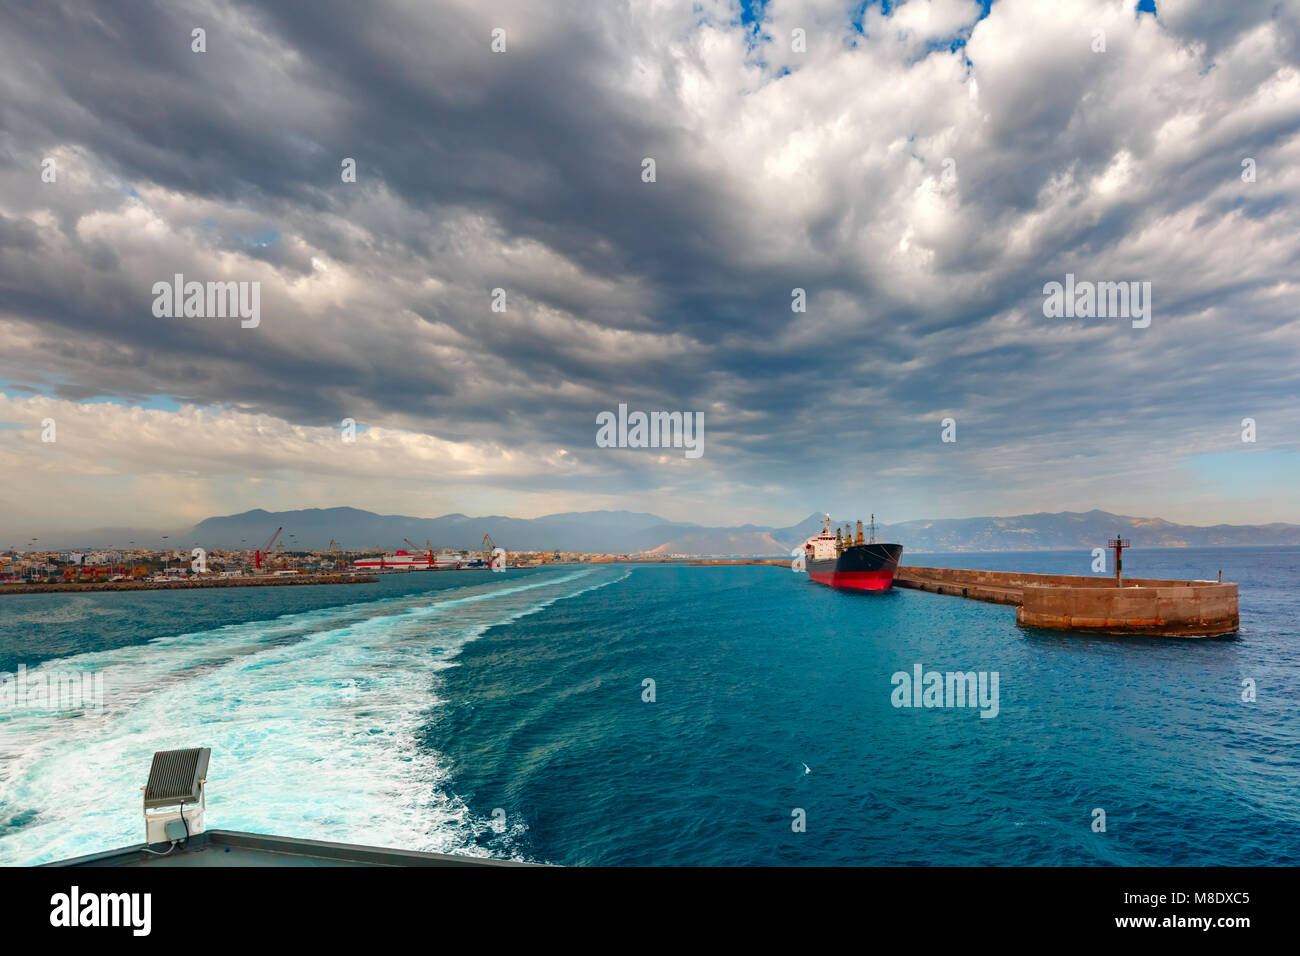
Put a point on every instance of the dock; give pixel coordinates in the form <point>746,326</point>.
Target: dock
<point>250,581</point>
<point>1064,602</point>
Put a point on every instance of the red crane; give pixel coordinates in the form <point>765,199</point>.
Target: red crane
<point>259,557</point>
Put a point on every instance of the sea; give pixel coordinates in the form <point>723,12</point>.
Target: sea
<point>658,714</point>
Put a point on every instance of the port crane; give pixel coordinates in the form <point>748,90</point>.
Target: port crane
<point>489,546</point>
<point>260,556</point>
<point>415,549</point>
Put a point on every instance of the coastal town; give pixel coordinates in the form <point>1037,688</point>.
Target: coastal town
<point>132,568</point>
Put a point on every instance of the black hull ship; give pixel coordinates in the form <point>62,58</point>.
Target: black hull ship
<point>843,560</point>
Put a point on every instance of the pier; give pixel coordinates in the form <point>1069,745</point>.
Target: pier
<point>1067,602</point>
<point>185,584</point>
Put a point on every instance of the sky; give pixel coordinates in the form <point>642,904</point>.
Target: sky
<point>921,171</point>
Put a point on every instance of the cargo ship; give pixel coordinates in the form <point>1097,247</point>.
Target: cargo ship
<point>843,560</point>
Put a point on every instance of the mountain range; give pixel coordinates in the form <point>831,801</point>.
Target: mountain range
<point>626,532</point>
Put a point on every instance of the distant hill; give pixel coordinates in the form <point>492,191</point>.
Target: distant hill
<point>623,532</point>
<point>1090,529</point>
<point>353,529</point>
<point>730,541</point>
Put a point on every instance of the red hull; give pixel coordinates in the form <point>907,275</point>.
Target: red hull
<point>858,580</point>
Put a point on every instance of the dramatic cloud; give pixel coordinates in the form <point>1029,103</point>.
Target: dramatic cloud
<point>921,171</point>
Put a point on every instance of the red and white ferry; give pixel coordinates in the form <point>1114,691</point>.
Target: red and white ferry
<point>416,561</point>
<point>399,561</point>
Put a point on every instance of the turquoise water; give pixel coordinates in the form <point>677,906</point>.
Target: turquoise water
<point>503,714</point>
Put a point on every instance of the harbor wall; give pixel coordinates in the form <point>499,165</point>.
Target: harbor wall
<point>1017,579</point>
<point>1069,602</point>
<point>991,586</point>
<point>1191,609</point>
<point>252,581</point>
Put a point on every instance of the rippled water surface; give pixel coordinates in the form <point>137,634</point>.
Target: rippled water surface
<point>503,714</point>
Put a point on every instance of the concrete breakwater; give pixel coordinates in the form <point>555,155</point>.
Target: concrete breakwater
<point>1080,603</point>
<point>249,582</point>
